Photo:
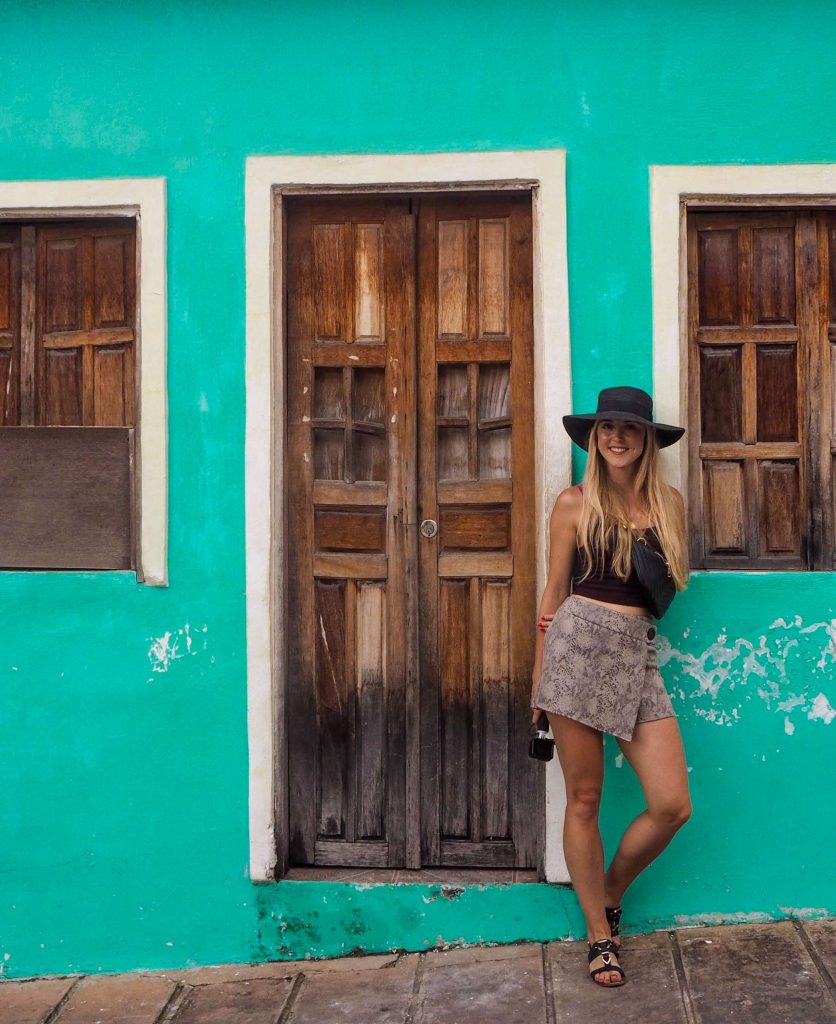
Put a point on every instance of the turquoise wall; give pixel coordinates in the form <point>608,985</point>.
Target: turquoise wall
<point>123,806</point>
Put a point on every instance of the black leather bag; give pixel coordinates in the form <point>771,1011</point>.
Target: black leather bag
<point>654,575</point>
<point>541,746</point>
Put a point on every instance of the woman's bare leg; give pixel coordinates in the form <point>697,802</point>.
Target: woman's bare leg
<point>580,752</point>
<point>657,756</point>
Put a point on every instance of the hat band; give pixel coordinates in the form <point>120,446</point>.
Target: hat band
<point>625,405</point>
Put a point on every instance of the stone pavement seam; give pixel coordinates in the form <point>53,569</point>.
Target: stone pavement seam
<point>688,1004</point>
<point>62,1002</point>
<point>292,998</point>
<point>415,1009</point>
<point>173,1003</point>
<point>821,967</point>
<point>548,984</point>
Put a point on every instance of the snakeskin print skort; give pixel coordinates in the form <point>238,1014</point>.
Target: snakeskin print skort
<point>600,668</point>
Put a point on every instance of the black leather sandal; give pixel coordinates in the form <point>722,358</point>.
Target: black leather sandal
<point>613,919</point>
<point>606,949</point>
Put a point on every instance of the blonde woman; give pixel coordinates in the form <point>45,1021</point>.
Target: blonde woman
<point>595,668</point>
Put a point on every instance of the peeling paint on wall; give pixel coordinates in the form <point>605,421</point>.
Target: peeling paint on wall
<point>171,647</point>
<point>729,674</point>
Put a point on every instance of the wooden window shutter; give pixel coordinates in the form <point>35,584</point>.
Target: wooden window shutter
<point>68,324</point>
<point>749,338</point>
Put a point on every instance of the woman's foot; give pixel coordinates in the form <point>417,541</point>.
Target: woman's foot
<point>604,968</point>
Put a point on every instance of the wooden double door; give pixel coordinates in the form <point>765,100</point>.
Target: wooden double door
<point>410,526</point>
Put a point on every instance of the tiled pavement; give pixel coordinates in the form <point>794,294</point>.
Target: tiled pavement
<point>776,973</point>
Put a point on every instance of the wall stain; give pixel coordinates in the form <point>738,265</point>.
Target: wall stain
<point>172,646</point>
<point>729,673</point>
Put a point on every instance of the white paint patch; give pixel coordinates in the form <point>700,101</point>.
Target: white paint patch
<point>172,646</point>
<point>821,709</point>
<point>727,665</point>
<point>807,911</point>
<point>619,761</point>
<point>202,403</point>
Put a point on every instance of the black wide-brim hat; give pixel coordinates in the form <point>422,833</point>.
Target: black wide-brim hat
<point>621,404</point>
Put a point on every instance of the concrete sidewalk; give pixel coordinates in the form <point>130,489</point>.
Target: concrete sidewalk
<point>777,973</point>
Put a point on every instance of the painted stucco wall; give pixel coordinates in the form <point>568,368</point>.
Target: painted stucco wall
<point>123,744</point>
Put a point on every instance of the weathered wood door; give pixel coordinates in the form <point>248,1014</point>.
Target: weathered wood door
<point>410,531</point>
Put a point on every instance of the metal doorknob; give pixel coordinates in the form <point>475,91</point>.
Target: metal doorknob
<point>429,527</point>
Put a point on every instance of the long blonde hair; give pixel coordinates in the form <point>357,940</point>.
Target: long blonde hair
<point>605,519</point>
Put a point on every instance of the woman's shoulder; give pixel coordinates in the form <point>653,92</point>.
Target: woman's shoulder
<point>567,506</point>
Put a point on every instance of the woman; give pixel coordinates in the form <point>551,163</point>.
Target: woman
<point>595,667</point>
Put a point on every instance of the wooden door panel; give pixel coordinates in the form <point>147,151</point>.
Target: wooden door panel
<point>389,766</point>
<point>479,792</point>
<point>349,338</point>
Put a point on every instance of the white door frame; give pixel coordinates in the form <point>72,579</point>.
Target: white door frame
<point>268,178</point>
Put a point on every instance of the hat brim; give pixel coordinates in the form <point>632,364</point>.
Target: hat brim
<point>578,427</point>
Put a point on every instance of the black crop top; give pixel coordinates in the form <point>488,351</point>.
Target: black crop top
<point>609,587</point>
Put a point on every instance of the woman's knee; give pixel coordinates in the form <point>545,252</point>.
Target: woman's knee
<point>583,800</point>
<point>671,813</point>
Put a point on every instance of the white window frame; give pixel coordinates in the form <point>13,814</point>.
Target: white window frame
<point>674,190</point>
<point>267,179</point>
<point>143,199</point>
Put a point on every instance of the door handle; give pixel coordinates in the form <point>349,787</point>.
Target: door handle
<point>429,528</point>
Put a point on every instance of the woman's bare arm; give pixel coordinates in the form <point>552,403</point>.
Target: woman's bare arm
<point>563,531</point>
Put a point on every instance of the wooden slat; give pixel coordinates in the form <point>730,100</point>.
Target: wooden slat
<point>487,492</point>
<point>349,566</point>
<point>477,772</point>
<point>28,404</point>
<point>495,636</point>
<point>752,335</point>
<point>302,730</point>
<point>527,779</point>
<point>696,505</point>
<point>403,682</point>
<point>453,853</point>
<point>750,380</point>
<point>816,275</point>
<point>337,492</point>
<point>779,450</point>
<point>427,507</point>
<point>775,563</point>
<point>73,339</point>
<point>333,709</point>
<point>489,351</point>
<point>454,672</point>
<point>452,565</point>
<point>10,313</point>
<point>360,353</point>
<point>367,854</point>
<point>66,498</point>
